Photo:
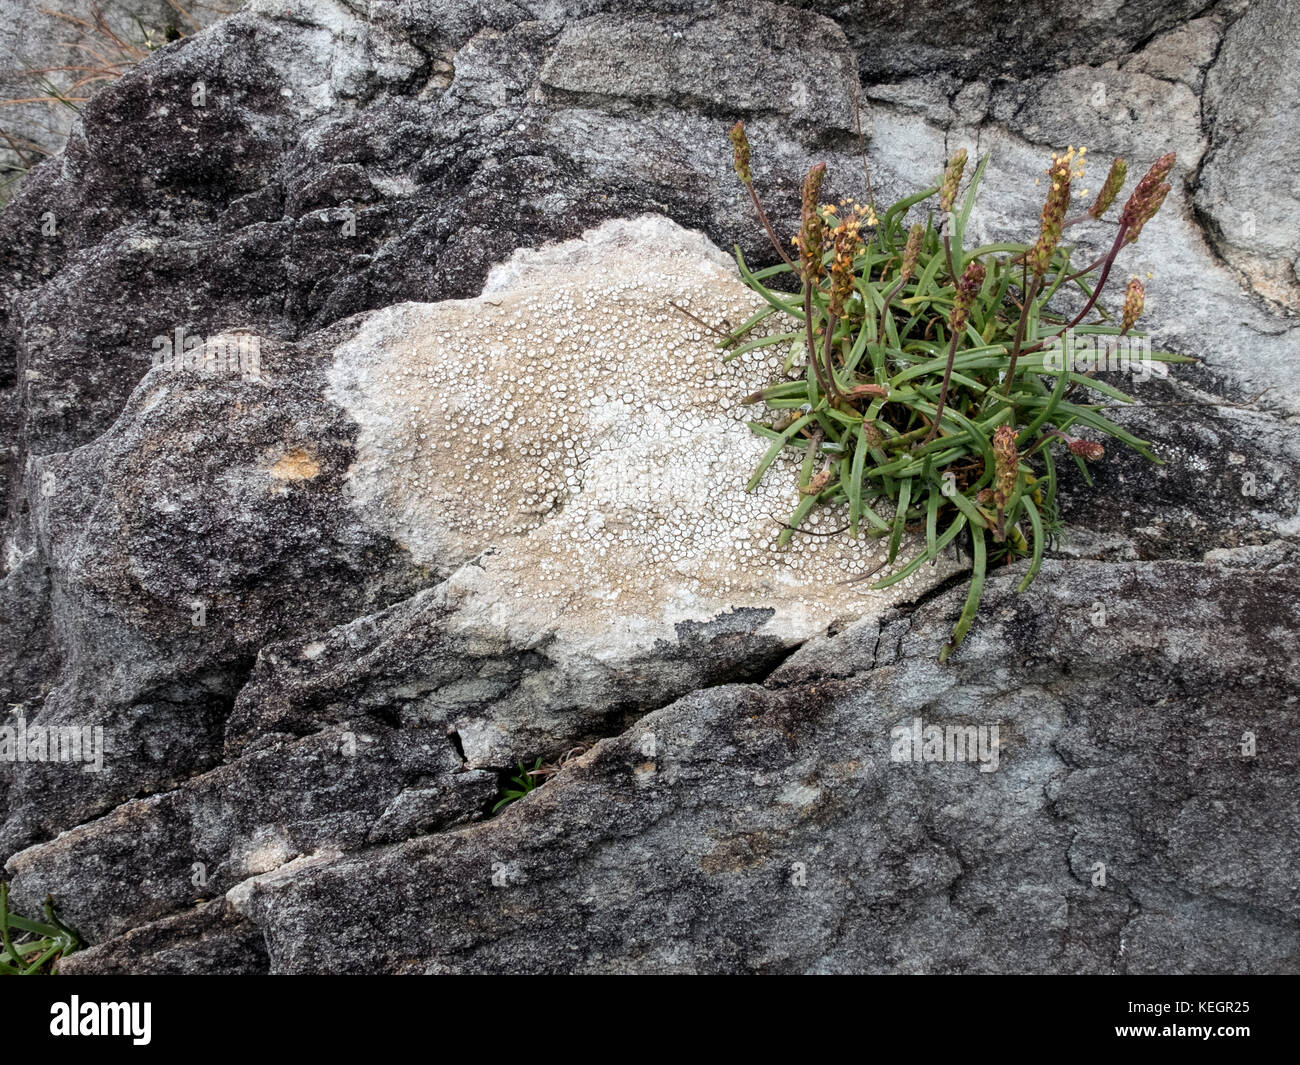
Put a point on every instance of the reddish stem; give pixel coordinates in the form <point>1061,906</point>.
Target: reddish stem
<point>880,335</point>
<point>943,391</point>
<point>808,333</point>
<point>1030,293</point>
<point>835,392</point>
<point>762,217</point>
<point>1107,262</point>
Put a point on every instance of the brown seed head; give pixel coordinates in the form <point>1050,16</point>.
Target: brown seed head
<point>1153,205</point>
<point>812,230</point>
<point>1088,450</point>
<point>1054,208</point>
<point>912,251</point>
<point>968,287</point>
<point>847,242</point>
<point>1135,297</point>
<point>740,149</point>
<point>818,483</point>
<point>1006,465</point>
<point>1146,198</point>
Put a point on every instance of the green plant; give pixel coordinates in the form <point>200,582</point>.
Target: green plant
<point>32,947</point>
<point>520,784</point>
<point>937,378</point>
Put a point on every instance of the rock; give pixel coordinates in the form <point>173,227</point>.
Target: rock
<point>1107,110</point>
<point>209,940</point>
<point>1253,219</point>
<point>219,517</point>
<point>897,41</point>
<point>770,828</point>
<point>1183,54</point>
<point>409,205</point>
<point>268,211</point>
<point>1230,479</point>
<point>604,558</point>
<point>675,59</point>
<point>323,793</point>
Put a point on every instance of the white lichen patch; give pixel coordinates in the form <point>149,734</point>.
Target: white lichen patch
<point>589,433</point>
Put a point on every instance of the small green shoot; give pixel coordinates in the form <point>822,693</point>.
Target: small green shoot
<point>32,948</point>
<point>520,784</point>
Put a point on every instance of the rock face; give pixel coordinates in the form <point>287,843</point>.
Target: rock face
<point>607,562</point>
<point>1254,224</point>
<point>472,494</point>
<point>775,825</point>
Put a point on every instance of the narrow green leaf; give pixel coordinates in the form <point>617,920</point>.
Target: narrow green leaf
<point>973,596</point>
<point>900,517</point>
<point>854,486</point>
<point>770,455</point>
<point>1036,525</point>
<point>956,527</point>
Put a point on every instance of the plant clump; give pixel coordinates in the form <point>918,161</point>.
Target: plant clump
<point>32,948</point>
<point>927,383</point>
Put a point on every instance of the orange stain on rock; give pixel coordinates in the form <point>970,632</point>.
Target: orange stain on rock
<point>297,465</point>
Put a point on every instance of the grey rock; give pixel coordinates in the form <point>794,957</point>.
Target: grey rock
<point>176,550</point>
<point>209,940</point>
<point>976,40</point>
<point>304,783</point>
<point>1183,54</point>
<point>324,793</point>
<point>398,722</point>
<point>776,60</point>
<point>1250,93</point>
<point>1230,479</point>
<point>770,828</point>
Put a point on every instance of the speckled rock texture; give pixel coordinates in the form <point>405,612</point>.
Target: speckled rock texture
<point>318,639</point>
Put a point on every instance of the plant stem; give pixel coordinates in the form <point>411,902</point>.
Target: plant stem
<point>1030,293</point>
<point>943,390</point>
<point>762,217</point>
<point>862,146</point>
<point>808,335</point>
<point>1101,281</point>
<point>1087,269</point>
<point>701,321</point>
<point>1107,261</point>
<point>880,336</point>
<point>826,358</point>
